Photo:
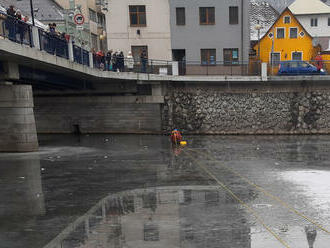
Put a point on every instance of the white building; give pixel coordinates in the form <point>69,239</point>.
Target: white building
<point>314,15</point>
<point>134,25</point>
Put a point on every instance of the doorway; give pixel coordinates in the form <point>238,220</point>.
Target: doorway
<point>180,56</point>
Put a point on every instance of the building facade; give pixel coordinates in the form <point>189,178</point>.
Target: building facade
<point>314,15</point>
<point>136,25</point>
<point>203,32</point>
<point>287,39</point>
<point>93,33</point>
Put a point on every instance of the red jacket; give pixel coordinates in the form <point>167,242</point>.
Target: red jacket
<point>176,136</point>
<point>319,62</point>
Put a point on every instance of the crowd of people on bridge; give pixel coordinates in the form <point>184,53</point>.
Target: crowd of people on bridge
<point>116,61</point>
<point>15,23</point>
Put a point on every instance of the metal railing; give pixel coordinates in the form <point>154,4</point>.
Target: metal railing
<point>53,44</point>
<point>220,68</point>
<point>294,68</point>
<point>15,30</point>
<point>149,66</point>
<point>80,55</point>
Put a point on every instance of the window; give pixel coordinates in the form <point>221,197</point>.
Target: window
<point>208,56</point>
<point>92,15</point>
<point>328,21</point>
<point>137,14</point>
<point>280,33</point>
<point>304,64</point>
<point>302,34</point>
<point>314,22</point>
<point>101,19</point>
<point>180,16</point>
<point>207,15</point>
<point>287,19</point>
<point>270,35</point>
<point>94,42</point>
<point>297,56</point>
<point>230,56</point>
<point>233,15</point>
<point>293,33</point>
<point>275,58</point>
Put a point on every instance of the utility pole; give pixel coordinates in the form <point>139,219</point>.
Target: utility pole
<point>32,12</point>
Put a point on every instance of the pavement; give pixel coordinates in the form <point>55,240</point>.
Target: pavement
<point>138,191</point>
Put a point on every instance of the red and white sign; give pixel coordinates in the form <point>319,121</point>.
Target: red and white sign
<point>79,19</point>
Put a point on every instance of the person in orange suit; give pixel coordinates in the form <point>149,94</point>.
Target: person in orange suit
<point>176,136</point>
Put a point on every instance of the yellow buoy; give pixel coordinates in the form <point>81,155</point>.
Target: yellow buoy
<point>183,143</point>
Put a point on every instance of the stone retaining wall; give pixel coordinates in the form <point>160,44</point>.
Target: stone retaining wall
<point>273,110</point>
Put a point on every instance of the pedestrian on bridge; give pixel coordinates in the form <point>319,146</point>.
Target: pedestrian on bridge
<point>108,60</point>
<point>21,26</point>
<point>10,23</point>
<point>144,60</point>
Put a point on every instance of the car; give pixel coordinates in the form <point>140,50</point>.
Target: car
<point>293,67</point>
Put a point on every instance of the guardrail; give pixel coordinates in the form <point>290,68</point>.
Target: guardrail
<point>80,55</point>
<point>152,66</point>
<point>224,68</point>
<point>15,30</point>
<point>149,66</point>
<point>53,44</point>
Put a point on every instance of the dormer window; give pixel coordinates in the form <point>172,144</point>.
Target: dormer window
<point>287,19</point>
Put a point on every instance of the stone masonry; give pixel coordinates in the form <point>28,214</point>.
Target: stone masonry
<point>216,110</point>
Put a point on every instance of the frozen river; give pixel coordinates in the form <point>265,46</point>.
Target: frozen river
<point>97,191</point>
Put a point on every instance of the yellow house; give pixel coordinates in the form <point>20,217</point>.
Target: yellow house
<point>287,39</point>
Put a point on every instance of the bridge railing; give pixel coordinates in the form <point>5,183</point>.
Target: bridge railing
<point>80,55</point>
<point>149,66</point>
<point>53,44</point>
<point>163,67</point>
<point>15,30</point>
<point>220,68</point>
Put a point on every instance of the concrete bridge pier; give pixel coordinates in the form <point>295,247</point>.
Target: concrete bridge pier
<point>17,123</point>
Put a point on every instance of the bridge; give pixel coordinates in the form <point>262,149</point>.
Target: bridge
<point>100,101</point>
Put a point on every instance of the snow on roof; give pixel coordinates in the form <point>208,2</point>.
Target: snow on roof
<point>305,7</point>
<point>265,14</point>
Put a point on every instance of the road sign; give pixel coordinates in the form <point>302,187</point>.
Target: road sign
<point>80,27</point>
<point>79,19</point>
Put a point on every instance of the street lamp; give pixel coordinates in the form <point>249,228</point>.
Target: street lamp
<point>32,13</point>
<point>258,27</point>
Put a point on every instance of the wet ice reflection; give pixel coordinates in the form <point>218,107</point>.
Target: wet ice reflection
<point>196,216</point>
<point>314,184</point>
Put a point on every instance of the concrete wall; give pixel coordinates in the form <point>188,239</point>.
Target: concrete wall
<point>155,35</point>
<point>17,123</point>
<point>192,37</point>
<point>263,109</point>
<point>97,114</point>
